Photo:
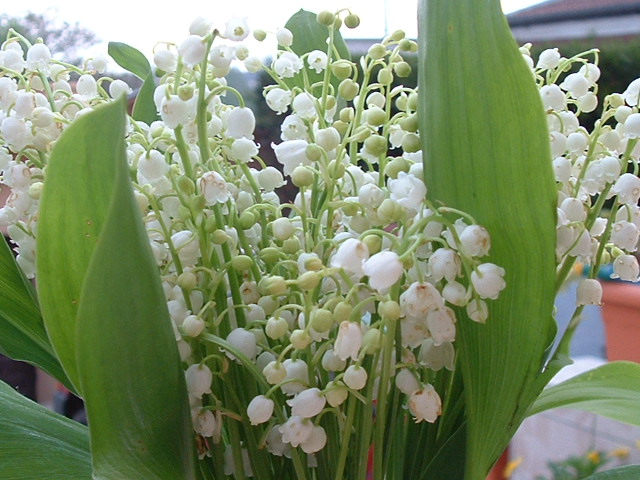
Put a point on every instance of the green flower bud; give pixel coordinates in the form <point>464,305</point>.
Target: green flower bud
<point>341,127</point>
<point>376,144</point>
<point>321,320</point>
<point>302,176</point>
<point>274,285</point>
<point>350,208</point>
<point>342,69</point>
<point>185,185</point>
<point>197,203</point>
<point>308,280</point>
<point>270,254</point>
<point>187,281</point>
<point>348,89</point>
<point>330,102</point>
<point>210,225</point>
<point>241,263</point>
<point>389,211</point>
<point>346,114</point>
<point>184,212</point>
<point>411,143</point>
<point>371,341</point>
<point>395,166</point>
<point>185,92</point>
<point>259,35</point>
<point>291,245</point>
<point>313,152</point>
<point>219,237</point>
<point>389,310</point>
<point>342,311</point>
<point>361,134</point>
<point>413,101</point>
<point>373,243</point>
<point>352,21</point>
<point>397,36</point>
<point>615,100</point>
<point>409,123</point>
<point>377,51</point>
<point>35,190</point>
<point>402,69</point>
<point>406,45</point>
<point>337,23</point>
<point>376,116</point>
<point>385,76</point>
<point>300,339</point>
<point>325,18</point>
<point>247,220</point>
<point>336,169</point>
<point>402,102</point>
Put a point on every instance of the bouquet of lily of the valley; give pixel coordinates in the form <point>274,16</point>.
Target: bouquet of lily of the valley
<point>391,318</point>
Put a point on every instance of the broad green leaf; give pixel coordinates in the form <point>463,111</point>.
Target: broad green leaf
<point>629,472</point>
<point>127,358</point>
<point>130,59</point>
<point>309,35</point>
<point>73,208</point>
<point>22,333</point>
<point>486,152</point>
<point>612,390</point>
<point>134,61</point>
<point>37,443</point>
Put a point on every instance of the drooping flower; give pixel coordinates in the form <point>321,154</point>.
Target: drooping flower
<point>383,269</point>
<point>198,377</point>
<point>589,292</point>
<point>350,256</point>
<point>260,409</point>
<point>488,280</point>
<point>307,403</point>
<point>213,187</point>
<point>317,60</point>
<point>291,153</point>
<point>425,404</point>
<point>348,341</point>
<point>237,29</point>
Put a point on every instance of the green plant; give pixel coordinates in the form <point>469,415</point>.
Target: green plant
<point>398,309</point>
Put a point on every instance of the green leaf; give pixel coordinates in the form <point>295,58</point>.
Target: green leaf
<point>130,59</point>
<point>134,61</point>
<point>612,390</point>
<point>37,443</point>
<point>127,359</point>
<point>22,333</point>
<point>144,108</point>
<point>486,152</point>
<point>629,472</point>
<point>309,35</point>
<point>74,205</point>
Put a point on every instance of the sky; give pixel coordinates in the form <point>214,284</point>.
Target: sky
<point>143,24</point>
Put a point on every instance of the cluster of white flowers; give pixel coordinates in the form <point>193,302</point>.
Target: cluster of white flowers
<point>596,171</point>
<point>288,311</point>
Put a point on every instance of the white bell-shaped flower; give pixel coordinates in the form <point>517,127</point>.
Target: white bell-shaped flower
<point>331,362</point>
<point>355,377</point>
<point>284,37</point>
<point>240,122</point>
<point>350,256</point>
<point>186,243</point>
<point>589,292</point>
<point>317,60</point>
<point>348,341</point>
<point>444,263</point>
<point>442,325</point>
<point>204,422</point>
<point>425,404</point>
<point>406,381</point>
<point>192,50</point>
<point>260,409</point>
<point>278,99</point>
<point>419,299</point>
<point>478,310</point>
<point>213,188</point>
<point>408,191</point>
<point>475,241</point>
<point>297,371</point>
<point>296,430</point>
<point>625,235</point>
<point>435,356</point>
<point>336,393</point>
<point>488,280</point>
<point>307,403</point>
<point>316,441</point>
<point>625,267</point>
<point>384,269</point>
<point>236,29</point>
<point>291,153</point>
<point>198,378</point>
<point>627,188</point>
<point>244,341</point>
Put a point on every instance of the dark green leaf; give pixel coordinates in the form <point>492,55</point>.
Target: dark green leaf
<point>629,472</point>
<point>486,152</point>
<point>22,333</point>
<point>37,443</point>
<point>130,59</point>
<point>612,390</point>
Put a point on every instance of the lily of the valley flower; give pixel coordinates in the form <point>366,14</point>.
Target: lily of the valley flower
<point>425,404</point>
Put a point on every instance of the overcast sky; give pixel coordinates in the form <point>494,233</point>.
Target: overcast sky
<point>142,24</point>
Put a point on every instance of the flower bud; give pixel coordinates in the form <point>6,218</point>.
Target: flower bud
<point>371,341</point>
<point>325,18</point>
<point>406,381</point>
<point>377,51</point>
<point>341,69</point>
<point>193,325</point>
<point>198,378</point>
<point>300,339</point>
<point>352,21</point>
<point>336,393</point>
<point>274,372</point>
